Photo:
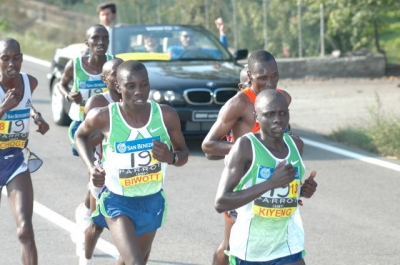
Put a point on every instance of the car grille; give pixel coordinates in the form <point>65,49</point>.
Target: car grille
<point>205,96</point>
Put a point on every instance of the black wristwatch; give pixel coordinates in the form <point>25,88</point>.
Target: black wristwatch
<point>174,159</point>
<point>66,97</point>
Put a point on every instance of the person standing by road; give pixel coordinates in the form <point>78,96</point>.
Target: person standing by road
<point>107,12</point>
<point>219,23</point>
<point>16,161</point>
<point>141,138</point>
<point>261,181</point>
<point>235,119</point>
<point>85,72</point>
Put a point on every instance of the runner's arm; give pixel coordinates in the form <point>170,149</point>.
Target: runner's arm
<point>215,144</point>
<point>180,153</point>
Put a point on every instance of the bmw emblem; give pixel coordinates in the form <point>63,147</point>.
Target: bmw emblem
<point>210,84</point>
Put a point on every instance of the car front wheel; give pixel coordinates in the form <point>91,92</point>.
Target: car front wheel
<point>58,106</point>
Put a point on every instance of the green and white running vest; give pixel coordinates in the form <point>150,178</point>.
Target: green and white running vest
<point>131,170</point>
<point>269,227</point>
<point>88,84</point>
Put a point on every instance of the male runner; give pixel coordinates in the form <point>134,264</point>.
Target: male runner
<point>140,138</point>
<point>109,77</point>
<point>261,181</point>
<point>237,118</point>
<point>16,109</point>
<point>85,72</point>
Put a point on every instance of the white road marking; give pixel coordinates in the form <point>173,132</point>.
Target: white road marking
<point>37,61</point>
<point>356,156</point>
<point>69,226</point>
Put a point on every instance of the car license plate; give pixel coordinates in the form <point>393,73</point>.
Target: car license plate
<point>205,115</point>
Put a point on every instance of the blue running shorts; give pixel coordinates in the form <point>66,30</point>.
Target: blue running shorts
<point>71,134</point>
<point>146,212</point>
<point>16,161</point>
<point>280,261</point>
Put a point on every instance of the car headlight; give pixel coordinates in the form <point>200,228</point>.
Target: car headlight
<point>156,95</point>
<point>165,96</point>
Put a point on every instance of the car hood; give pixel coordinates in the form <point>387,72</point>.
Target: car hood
<point>192,74</point>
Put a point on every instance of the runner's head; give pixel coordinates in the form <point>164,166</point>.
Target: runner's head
<point>109,74</point>
<point>263,71</point>
<point>272,113</point>
<point>97,39</point>
<point>133,83</point>
<point>244,79</point>
<point>10,58</point>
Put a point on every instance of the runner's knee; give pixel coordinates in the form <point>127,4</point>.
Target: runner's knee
<point>25,234</point>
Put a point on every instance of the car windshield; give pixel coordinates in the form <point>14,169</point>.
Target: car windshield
<point>167,42</point>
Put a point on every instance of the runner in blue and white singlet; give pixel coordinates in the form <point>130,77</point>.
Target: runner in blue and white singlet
<point>16,161</point>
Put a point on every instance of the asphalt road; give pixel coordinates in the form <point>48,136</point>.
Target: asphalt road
<point>352,219</point>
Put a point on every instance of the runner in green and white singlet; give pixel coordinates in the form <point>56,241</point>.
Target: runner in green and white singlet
<point>86,240</point>
<point>87,85</point>
<point>261,180</point>
<point>131,169</point>
<point>85,72</point>
<point>141,138</point>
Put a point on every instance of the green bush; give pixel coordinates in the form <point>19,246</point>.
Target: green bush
<point>381,135</point>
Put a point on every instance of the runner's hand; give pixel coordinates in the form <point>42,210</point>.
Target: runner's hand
<point>161,152</point>
<point>11,99</point>
<point>76,97</point>
<point>309,186</point>
<point>97,176</point>
<point>283,174</point>
<point>43,126</point>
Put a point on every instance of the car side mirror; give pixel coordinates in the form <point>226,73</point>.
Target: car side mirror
<point>241,54</point>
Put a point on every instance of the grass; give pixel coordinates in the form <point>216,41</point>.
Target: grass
<point>31,45</point>
<point>380,136</point>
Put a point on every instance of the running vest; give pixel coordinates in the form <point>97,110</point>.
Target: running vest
<point>14,125</point>
<point>88,84</point>
<point>98,150</point>
<point>269,227</point>
<point>128,161</point>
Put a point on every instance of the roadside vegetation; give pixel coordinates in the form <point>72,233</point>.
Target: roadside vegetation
<point>379,135</point>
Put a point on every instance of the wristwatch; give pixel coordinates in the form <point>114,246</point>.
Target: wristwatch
<point>174,158</point>
<point>66,97</point>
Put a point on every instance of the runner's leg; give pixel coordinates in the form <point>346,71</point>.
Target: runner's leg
<point>20,196</point>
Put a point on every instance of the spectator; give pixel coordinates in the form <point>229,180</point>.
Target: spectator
<point>108,14</point>
<point>219,23</point>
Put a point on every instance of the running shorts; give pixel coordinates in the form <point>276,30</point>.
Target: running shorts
<point>146,212</point>
<point>16,162</point>
<point>280,261</point>
<point>71,134</point>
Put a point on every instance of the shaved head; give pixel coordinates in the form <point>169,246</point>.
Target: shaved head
<point>128,67</point>
<point>259,56</point>
<point>9,43</point>
<point>108,66</point>
<point>268,96</point>
<point>243,75</point>
<point>94,28</point>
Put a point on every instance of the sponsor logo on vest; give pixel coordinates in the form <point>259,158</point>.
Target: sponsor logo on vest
<point>28,103</point>
<point>154,130</point>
